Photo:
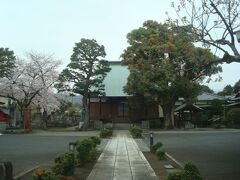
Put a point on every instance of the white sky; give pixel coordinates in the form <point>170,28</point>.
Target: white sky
<point>53,26</point>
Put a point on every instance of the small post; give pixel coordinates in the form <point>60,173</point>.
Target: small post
<point>71,146</point>
<point>151,138</point>
<point>6,171</point>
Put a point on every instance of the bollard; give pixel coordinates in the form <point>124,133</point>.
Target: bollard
<point>2,171</point>
<point>9,170</point>
<point>6,171</point>
<point>151,139</point>
<point>72,146</point>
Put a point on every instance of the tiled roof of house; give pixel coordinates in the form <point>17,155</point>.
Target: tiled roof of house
<point>209,97</point>
<point>188,106</point>
<point>116,79</point>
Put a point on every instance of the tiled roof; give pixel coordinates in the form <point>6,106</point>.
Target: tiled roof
<point>209,97</point>
<point>116,79</point>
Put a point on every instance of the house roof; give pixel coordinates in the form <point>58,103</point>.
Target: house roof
<point>188,106</point>
<point>116,79</point>
<point>233,104</point>
<point>76,100</point>
<point>209,97</point>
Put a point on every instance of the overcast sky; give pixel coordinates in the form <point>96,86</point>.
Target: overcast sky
<point>53,26</point>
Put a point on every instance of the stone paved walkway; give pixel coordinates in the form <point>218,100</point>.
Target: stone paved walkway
<point>122,160</point>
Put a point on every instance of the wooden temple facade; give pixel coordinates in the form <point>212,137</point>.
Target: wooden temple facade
<point>118,110</point>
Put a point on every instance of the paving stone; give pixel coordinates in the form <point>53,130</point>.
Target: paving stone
<point>122,160</point>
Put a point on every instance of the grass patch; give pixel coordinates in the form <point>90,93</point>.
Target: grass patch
<point>80,173</point>
<point>158,166</point>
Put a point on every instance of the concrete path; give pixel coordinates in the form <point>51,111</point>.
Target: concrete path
<point>122,160</point>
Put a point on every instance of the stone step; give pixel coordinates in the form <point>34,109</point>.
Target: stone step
<point>121,126</point>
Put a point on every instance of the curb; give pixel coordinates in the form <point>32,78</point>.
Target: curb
<point>174,160</point>
<point>169,156</point>
<point>25,172</point>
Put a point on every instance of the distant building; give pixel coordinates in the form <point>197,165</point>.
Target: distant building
<point>114,106</point>
<point>75,99</point>
<point>204,100</point>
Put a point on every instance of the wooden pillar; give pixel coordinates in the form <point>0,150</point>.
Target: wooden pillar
<point>100,107</point>
<point>24,118</point>
<point>29,119</point>
<point>88,108</point>
<point>191,118</point>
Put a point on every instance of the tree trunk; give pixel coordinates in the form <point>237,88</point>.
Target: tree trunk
<point>86,114</point>
<point>168,112</point>
<point>44,119</point>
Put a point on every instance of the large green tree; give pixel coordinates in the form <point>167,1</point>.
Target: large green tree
<point>165,65</point>
<point>227,90</point>
<point>236,87</point>
<point>206,89</point>
<point>85,73</point>
<point>7,62</point>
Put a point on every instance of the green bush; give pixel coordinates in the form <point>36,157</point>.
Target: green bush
<point>160,153</point>
<point>233,116</point>
<point>41,174</point>
<point>96,140</point>
<point>156,146</point>
<point>93,154</point>
<point>65,164</point>
<point>136,132</point>
<point>106,132</point>
<point>192,171</point>
<point>179,175</point>
<point>83,150</point>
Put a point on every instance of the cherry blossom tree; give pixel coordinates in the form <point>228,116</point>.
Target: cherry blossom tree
<point>32,83</point>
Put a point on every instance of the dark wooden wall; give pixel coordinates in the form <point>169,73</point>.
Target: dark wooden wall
<point>117,111</point>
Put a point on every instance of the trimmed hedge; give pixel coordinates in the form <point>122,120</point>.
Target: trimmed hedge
<point>160,153</point>
<point>190,172</point>
<point>96,140</point>
<point>84,148</point>
<point>41,174</point>
<point>136,132</point>
<point>156,146</point>
<point>64,164</point>
<point>178,175</point>
<point>106,132</point>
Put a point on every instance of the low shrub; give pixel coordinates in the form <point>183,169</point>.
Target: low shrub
<point>61,177</point>
<point>156,146</point>
<point>64,164</point>
<point>178,175</point>
<point>41,174</point>
<point>93,154</point>
<point>84,148</point>
<point>191,171</point>
<point>136,132</point>
<point>160,153</point>
<point>233,116</point>
<point>106,132</point>
<point>96,140</point>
